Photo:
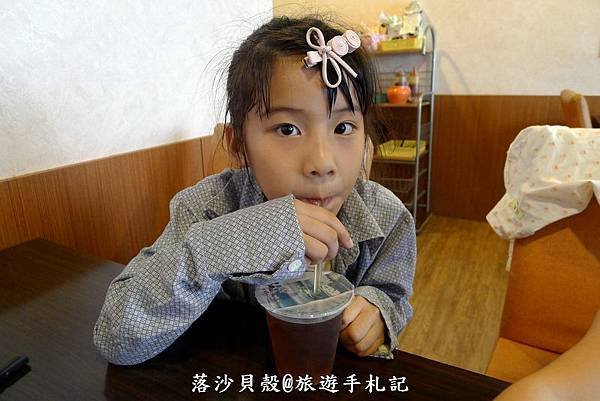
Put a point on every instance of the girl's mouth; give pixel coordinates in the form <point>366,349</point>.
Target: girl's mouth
<point>317,201</point>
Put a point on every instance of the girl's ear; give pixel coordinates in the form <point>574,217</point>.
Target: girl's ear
<point>232,148</point>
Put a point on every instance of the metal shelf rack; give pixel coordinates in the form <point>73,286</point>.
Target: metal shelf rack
<point>413,187</point>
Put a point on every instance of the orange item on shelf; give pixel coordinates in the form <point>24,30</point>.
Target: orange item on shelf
<point>398,94</point>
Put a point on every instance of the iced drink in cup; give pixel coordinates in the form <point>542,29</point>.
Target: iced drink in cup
<point>304,326</point>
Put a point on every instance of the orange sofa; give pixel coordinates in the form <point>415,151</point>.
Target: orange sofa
<point>552,296</point>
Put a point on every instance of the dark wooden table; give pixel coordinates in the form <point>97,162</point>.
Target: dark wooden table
<point>50,297</point>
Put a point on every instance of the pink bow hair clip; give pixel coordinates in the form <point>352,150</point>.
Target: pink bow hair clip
<point>331,51</point>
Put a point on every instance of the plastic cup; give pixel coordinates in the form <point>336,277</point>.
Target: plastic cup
<point>304,327</point>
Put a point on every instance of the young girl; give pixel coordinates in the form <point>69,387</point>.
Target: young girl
<point>299,120</point>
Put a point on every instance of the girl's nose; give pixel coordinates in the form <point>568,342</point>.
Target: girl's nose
<point>319,157</point>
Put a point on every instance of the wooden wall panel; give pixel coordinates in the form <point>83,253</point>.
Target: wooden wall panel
<point>109,207</point>
<point>113,207</point>
<point>14,228</point>
<point>471,137</point>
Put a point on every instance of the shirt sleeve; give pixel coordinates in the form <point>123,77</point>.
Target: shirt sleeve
<point>388,282</point>
<point>167,286</point>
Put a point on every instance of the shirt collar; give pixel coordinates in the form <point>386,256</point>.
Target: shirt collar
<point>240,190</point>
<point>251,193</point>
<point>356,216</point>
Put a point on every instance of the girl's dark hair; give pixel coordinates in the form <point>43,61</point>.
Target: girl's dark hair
<point>249,74</point>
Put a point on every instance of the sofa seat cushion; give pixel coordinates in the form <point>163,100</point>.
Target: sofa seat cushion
<point>512,361</point>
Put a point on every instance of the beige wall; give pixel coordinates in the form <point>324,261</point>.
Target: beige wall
<point>83,81</point>
<point>533,47</point>
<point>352,11</point>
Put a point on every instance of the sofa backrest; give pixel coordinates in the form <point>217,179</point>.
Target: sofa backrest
<point>575,109</point>
<point>554,285</point>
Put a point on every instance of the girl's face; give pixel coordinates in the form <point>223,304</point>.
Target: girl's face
<point>299,148</point>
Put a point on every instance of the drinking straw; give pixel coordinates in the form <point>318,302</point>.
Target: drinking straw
<point>317,280</point>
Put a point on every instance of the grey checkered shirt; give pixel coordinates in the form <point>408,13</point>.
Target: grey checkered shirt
<point>223,236</point>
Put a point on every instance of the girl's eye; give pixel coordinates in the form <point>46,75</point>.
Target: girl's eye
<point>344,128</point>
<point>288,130</point>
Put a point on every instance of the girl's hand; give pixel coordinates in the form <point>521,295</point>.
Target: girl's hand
<point>363,330</point>
<point>322,232</point>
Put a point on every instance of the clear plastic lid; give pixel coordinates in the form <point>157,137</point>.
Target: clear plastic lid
<point>295,301</point>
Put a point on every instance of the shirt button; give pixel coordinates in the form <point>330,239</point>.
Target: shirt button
<point>294,266</point>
